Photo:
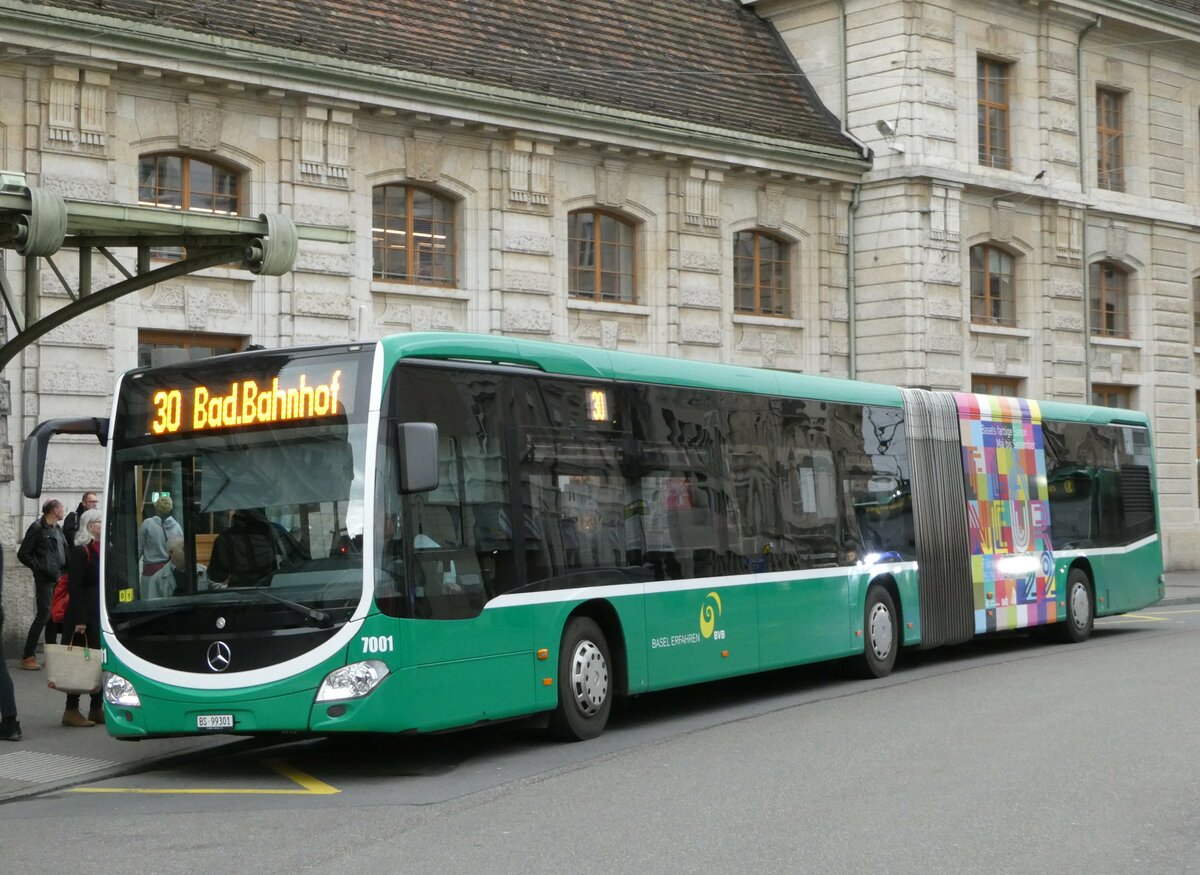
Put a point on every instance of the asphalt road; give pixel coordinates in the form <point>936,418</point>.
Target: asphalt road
<point>1008,754</point>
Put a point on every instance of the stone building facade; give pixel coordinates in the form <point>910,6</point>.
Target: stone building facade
<point>1029,159</point>
<point>177,112</point>
<point>691,129</point>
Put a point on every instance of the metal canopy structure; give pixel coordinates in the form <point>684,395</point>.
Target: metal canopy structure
<point>39,224</point>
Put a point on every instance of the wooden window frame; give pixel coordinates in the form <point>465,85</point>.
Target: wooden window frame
<point>782,309</point>
<point>574,270</point>
<point>1110,139</point>
<point>984,384</point>
<point>994,115</point>
<point>1102,294</point>
<point>185,182</point>
<point>988,298</point>
<point>411,252</point>
<point>1103,395</point>
<point>192,339</point>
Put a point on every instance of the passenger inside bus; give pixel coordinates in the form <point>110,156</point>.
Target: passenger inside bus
<point>246,553</point>
<point>172,578</point>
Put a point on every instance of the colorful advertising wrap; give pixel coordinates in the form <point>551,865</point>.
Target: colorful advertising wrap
<point>1008,513</point>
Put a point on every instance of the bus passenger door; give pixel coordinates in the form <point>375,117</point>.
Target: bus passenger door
<point>464,661</point>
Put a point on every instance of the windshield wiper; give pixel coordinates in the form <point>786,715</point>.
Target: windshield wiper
<point>138,621</point>
<point>321,618</point>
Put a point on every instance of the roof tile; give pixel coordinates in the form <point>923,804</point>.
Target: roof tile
<point>710,62</point>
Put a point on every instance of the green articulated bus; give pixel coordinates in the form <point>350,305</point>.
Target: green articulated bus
<point>437,530</point>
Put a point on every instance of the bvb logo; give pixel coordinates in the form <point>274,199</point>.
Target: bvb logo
<point>710,610</point>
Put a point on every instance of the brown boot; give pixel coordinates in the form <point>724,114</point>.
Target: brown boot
<point>30,664</point>
<point>72,717</point>
<point>96,715</point>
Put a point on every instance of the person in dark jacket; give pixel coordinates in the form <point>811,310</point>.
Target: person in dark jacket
<point>246,553</point>
<point>83,608</point>
<point>10,729</point>
<point>44,552</point>
<point>71,523</point>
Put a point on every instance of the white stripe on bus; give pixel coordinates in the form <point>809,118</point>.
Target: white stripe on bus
<point>655,587</point>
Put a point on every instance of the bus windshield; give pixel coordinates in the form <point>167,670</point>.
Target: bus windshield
<point>248,504</point>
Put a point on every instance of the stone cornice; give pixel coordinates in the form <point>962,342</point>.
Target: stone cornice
<point>53,35</point>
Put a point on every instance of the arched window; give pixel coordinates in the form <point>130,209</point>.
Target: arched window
<point>412,235</point>
<point>1109,300</point>
<point>761,271</point>
<point>182,182</point>
<point>993,286</point>
<point>601,257</point>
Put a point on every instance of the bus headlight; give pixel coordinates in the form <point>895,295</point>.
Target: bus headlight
<point>118,691</point>
<point>352,681</point>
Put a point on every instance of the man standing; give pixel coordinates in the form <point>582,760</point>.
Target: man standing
<point>44,552</point>
<point>90,501</point>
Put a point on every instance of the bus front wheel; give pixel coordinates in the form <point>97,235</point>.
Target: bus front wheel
<point>584,682</point>
<point>1080,610</point>
<point>881,631</point>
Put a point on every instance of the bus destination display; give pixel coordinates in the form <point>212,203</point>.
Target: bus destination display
<point>240,403</point>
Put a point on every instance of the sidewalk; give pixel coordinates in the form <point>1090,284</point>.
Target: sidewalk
<point>53,756</point>
<point>1183,588</point>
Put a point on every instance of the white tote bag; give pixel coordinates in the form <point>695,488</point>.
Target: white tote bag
<point>72,668</point>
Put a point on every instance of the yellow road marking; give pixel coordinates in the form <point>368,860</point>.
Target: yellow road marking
<point>309,786</point>
<point>1129,618</point>
<point>1171,613</point>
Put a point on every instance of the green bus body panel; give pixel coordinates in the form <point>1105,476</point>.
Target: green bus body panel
<point>1124,582</point>
<point>279,706</point>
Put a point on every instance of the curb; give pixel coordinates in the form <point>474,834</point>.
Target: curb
<point>131,768</point>
<point>1180,600</point>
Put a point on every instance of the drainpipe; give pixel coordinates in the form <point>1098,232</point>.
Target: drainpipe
<point>1083,190</point>
<point>851,290</point>
<point>851,330</point>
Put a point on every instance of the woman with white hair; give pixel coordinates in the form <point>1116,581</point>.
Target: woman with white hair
<point>154,534</point>
<point>83,607</point>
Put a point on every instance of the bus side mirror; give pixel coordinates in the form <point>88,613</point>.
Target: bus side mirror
<point>417,464</point>
<point>33,454</point>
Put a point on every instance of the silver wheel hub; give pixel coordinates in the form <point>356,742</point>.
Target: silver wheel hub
<point>1079,605</point>
<point>879,628</point>
<point>589,678</point>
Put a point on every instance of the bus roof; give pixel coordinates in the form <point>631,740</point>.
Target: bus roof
<point>602,364</point>
<point>586,361</point>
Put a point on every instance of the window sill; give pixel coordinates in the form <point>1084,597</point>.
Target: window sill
<point>418,291</point>
<point>608,307</point>
<point>1118,342</point>
<point>1001,330</point>
<point>767,321</point>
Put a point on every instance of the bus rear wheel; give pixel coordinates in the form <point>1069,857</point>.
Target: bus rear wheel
<point>1081,612</point>
<point>881,631</point>
<point>584,682</point>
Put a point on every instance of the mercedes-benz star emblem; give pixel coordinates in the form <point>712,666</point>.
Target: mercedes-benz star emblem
<point>218,656</point>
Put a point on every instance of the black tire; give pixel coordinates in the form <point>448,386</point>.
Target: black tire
<point>585,682</point>
<point>1081,608</point>
<point>881,634</point>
